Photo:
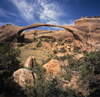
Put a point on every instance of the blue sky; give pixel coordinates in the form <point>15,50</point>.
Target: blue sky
<point>60,12</point>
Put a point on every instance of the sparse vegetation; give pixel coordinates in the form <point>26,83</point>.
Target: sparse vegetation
<point>20,45</point>
<point>39,44</point>
<point>47,40</point>
<point>62,50</point>
<point>50,32</point>
<point>53,40</point>
<point>76,50</point>
<point>27,40</point>
<point>64,57</point>
<point>8,64</point>
<point>90,72</point>
<point>68,41</point>
<point>60,40</point>
<point>33,48</point>
<point>66,76</point>
<point>47,88</point>
<point>54,51</point>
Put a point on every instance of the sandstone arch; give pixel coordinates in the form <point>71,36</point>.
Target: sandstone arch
<point>10,32</point>
<point>89,27</point>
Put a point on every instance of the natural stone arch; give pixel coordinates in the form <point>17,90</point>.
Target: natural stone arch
<point>74,31</point>
<point>12,32</point>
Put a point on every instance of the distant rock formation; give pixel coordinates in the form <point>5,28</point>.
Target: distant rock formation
<point>85,32</point>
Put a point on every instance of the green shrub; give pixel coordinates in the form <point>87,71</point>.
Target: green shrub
<point>62,44</point>
<point>53,40</point>
<point>90,72</point>
<point>47,40</point>
<point>25,47</point>
<point>39,44</point>
<point>69,41</point>
<point>46,88</point>
<point>50,32</point>
<point>60,40</point>
<point>54,51</point>
<point>33,48</point>
<point>47,60</point>
<point>64,57</point>
<point>67,76</point>
<point>8,64</point>
<point>20,45</point>
<point>76,50</point>
<point>62,50</point>
<point>68,56</point>
<point>33,40</point>
<point>74,64</point>
<point>84,52</point>
<point>27,40</point>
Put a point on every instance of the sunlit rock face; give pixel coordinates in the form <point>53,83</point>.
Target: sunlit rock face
<point>24,77</point>
<point>54,66</point>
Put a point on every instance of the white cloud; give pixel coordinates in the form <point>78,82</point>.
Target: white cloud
<point>25,8</point>
<point>43,11</point>
<point>71,22</point>
<point>5,13</point>
<point>50,12</point>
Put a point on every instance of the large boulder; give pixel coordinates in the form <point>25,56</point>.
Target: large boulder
<point>24,77</point>
<point>54,66</point>
<point>30,62</point>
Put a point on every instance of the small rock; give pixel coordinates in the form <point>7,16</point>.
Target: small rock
<point>30,62</point>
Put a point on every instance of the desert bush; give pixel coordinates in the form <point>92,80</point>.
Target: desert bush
<point>84,52</point>
<point>69,41</point>
<point>63,57</point>
<point>61,44</point>
<point>20,45</point>
<point>39,44</point>
<point>54,51</point>
<point>33,48</point>
<point>91,71</point>
<point>50,32</point>
<point>53,40</point>
<point>27,40</point>
<point>8,64</point>
<point>74,64</point>
<point>34,39</point>
<point>38,70</point>
<point>62,50</point>
<point>47,40</point>
<point>47,60</point>
<point>66,76</point>
<point>46,88</point>
<point>26,47</point>
<point>60,40</point>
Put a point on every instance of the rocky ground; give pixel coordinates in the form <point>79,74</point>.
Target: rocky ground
<point>47,53</point>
